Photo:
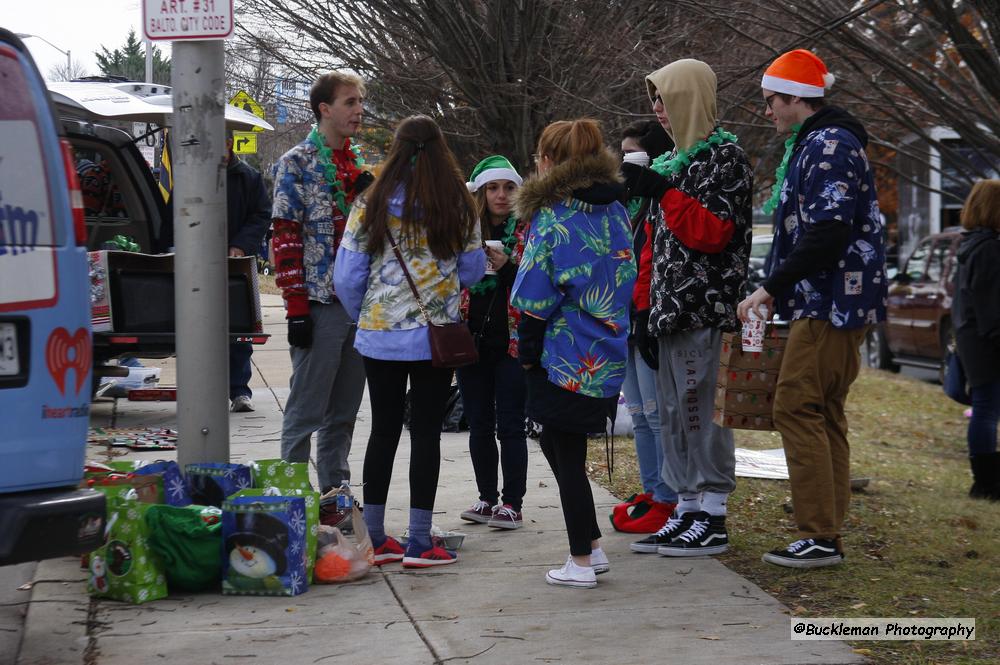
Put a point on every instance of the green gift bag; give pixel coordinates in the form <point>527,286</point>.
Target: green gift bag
<point>188,541</point>
<point>312,517</point>
<point>281,474</point>
<point>125,567</point>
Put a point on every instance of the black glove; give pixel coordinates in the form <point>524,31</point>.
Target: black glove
<point>647,345</point>
<point>640,181</point>
<point>361,183</point>
<point>300,331</point>
<point>530,340</point>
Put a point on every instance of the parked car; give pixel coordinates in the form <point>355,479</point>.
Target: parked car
<point>918,327</point>
<point>45,331</point>
<point>134,297</point>
<point>760,249</point>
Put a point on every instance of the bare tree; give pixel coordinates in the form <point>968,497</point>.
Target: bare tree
<point>67,72</point>
<point>493,73</point>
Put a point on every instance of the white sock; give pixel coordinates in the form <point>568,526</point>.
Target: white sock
<point>714,503</point>
<point>688,502</point>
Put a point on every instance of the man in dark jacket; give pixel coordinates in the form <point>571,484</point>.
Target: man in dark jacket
<point>248,213</point>
<point>827,276</point>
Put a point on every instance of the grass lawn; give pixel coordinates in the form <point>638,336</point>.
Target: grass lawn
<point>916,546</point>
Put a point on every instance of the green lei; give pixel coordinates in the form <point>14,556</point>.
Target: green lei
<point>672,162</point>
<point>489,282</point>
<point>779,173</point>
<point>633,206</point>
<point>332,177</point>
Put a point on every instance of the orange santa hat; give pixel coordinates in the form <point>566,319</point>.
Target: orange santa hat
<point>800,73</point>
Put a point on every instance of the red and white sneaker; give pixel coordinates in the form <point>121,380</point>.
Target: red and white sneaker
<point>480,513</point>
<point>389,552</point>
<point>435,556</point>
<point>505,517</point>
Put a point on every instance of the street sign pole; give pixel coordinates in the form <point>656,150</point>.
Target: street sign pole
<point>200,265</point>
<point>201,271</point>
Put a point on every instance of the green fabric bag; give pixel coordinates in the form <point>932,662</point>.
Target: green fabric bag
<point>312,517</point>
<point>281,474</point>
<point>188,541</point>
<point>126,568</point>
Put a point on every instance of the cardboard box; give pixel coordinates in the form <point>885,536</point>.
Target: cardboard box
<point>745,386</point>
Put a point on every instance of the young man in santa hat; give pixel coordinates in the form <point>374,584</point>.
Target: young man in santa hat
<point>827,276</point>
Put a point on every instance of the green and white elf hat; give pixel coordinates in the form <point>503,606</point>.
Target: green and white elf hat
<point>494,167</point>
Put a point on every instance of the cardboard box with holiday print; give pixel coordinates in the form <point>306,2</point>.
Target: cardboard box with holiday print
<point>746,382</point>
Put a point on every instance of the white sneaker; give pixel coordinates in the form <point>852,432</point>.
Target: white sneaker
<point>572,575</point>
<point>241,404</point>
<point>599,561</point>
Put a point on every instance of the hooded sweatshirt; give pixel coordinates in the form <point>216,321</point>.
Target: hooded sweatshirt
<point>828,257</point>
<point>702,232</point>
<point>975,308</point>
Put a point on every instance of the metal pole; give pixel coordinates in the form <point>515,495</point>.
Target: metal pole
<point>69,67</point>
<point>149,61</point>
<point>200,270</point>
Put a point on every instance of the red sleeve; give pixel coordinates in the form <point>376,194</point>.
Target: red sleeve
<point>693,224</point>
<point>289,275</point>
<point>640,294</point>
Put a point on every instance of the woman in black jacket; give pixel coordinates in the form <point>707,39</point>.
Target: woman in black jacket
<point>976,316</point>
<point>493,388</point>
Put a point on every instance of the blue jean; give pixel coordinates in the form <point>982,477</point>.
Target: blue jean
<point>641,399</point>
<point>982,434</point>
<point>493,392</point>
<point>239,369</point>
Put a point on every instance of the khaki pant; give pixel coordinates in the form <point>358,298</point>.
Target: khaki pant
<point>820,364</point>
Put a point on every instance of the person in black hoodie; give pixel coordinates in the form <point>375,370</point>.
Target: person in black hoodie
<point>975,311</point>
<point>827,276</point>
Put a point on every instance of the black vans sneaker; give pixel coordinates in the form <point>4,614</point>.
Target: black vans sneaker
<point>807,553</point>
<point>705,535</point>
<point>674,526</point>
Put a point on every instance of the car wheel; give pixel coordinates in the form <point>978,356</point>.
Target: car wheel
<point>876,350</point>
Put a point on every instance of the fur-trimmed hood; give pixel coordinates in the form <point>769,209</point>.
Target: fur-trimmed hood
<point>561,180</point>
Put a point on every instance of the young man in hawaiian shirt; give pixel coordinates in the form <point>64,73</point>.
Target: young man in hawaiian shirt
<point>314,186</point>
<point>827,275</point>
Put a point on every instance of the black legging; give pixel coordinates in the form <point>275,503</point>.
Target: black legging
<point>567,455</point>
<point>387,391</point>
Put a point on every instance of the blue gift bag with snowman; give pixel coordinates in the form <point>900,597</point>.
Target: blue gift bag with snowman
<point>263,545</point>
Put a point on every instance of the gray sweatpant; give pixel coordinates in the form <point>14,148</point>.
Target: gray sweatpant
<point>328,382</point>
<point>698,455</point>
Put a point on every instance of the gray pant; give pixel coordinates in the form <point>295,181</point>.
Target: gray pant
<point>698,455</point>
<point>328,382</point>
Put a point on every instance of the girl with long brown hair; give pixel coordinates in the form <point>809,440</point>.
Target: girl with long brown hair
<point>419,203</point>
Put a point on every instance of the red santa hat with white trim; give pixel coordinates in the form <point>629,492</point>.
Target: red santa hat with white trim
<point>800,73</point>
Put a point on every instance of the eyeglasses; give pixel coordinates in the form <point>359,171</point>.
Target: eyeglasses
<point>657,100</point>
<point>769,99</point>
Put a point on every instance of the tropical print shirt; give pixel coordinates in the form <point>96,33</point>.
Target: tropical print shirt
<point>577,273</point>
<point>388,302</point>
<point>830,180</point>
<point>306,240</point>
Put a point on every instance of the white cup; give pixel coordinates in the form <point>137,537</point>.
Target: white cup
<point>498,246</point>
<point>753,331</point>
<point>639,157</point>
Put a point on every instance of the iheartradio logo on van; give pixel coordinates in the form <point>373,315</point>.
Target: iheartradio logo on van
<point>64,352</point>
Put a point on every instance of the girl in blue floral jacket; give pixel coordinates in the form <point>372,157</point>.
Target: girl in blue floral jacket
<point>574,287</point>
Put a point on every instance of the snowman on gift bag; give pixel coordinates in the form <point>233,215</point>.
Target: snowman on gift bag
<point>256,553</point>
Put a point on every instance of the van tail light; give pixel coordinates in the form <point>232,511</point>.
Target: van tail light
<point>75,195</point>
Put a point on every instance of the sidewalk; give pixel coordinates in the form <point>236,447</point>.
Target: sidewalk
<point>493,606</point>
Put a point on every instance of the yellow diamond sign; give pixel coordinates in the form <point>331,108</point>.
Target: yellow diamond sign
<point>244,101</point>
